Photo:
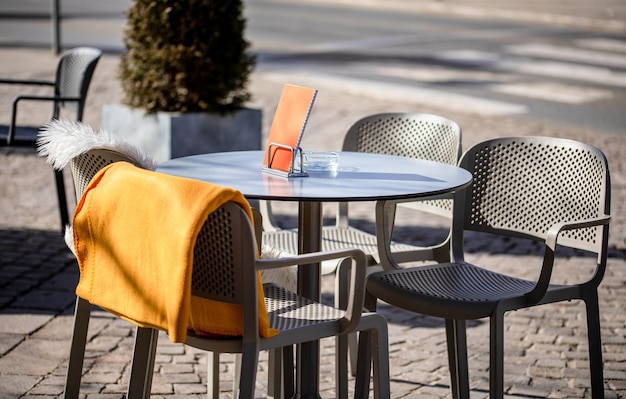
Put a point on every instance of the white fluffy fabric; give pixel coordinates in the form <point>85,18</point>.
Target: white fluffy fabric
<point>286,277</point>
<point>69,238</point>
<point>61,140</point>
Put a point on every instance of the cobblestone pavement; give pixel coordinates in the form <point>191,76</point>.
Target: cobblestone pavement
<point>546,350</point>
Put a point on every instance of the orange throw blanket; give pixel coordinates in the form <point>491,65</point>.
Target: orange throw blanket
<point>134,234</point>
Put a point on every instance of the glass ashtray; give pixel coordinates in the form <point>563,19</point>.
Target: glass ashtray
<point>320,161</point>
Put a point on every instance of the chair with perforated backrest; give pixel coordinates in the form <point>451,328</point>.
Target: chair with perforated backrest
<point>73,76</point>
<point>64,143</point>
<point>86,151</point>
<point>547,190</point>
<point>412,135</point>
<point>84,167</point>
<point>226,246</point>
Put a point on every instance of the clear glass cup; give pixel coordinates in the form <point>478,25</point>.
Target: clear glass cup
<point>320,161</point>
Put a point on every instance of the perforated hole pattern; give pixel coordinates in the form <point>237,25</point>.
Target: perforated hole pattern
<point>409,137</point>
<point>71,74</point>
<point>214,272</point>
<point>529,186</point>
<point>84,168</point>
<point>414,137</point>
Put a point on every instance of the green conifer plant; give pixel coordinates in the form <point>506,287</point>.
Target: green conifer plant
<point>186,56</point>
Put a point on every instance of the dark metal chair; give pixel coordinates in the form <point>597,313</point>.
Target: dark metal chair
<point>73,75</point>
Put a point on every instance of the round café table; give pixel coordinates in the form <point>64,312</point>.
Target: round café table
<point>359,177</point>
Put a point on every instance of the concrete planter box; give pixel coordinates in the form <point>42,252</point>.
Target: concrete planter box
<point>172,135</point>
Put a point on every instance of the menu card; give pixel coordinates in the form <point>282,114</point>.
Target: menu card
<point>290,119</point>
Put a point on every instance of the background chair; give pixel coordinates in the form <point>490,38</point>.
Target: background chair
<point>73,75</point>
<point>412,135</point>
<point>552,191</point>
<point>422,136</point>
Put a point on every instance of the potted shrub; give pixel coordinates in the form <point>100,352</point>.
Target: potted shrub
<point>184,79</point>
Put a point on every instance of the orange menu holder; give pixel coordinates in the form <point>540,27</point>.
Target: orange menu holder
<point>283,144</point>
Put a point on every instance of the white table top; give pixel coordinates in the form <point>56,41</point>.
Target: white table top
<point>360,177</point>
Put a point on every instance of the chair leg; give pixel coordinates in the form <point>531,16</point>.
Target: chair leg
<point>249,361</point>
<point>341,364</point>
<point>142,366</point>
<point>380,341</point>
<point>362,380</point>
<point>374,341</point>
<point>63,211</point>
<point>275,374</point>
<point>213,375</point>
<point>457,358</point>
<point>77,348</point>
<point>342,282</point>
<point>281,382</point>
<point>289,376</point>
<point>595,346</point>
<point>496,356</point>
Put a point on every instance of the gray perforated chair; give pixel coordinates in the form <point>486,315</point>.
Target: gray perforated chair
<point>412,135</point>
<point>86,152</point>
<point>84,167</point>
<point>69,93</point>
<point>226,246</point>
<point>552,191</point>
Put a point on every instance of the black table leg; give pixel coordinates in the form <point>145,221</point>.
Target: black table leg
<point>309,240</point>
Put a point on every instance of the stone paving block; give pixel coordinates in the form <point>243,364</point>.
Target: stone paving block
<point>8,342</point>
<point>14,386</point>
<point>188,389</point>
<point>59,328</point>
<point>34,357</point>
<point>177,368</point>
<point>49,390</point>
<point>23,324</point>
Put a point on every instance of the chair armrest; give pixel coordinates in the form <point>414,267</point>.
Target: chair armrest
<point>26,82</point>
<point>555,230</point>
<point>18,98</point>
<point>385,223</point>
<point>44,98</point>
<point>357,278</point>
<point>545,276</point>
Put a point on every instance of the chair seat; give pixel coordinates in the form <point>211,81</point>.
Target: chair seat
<point>289,311</point>
<point>333,239</point>
<point>25,136</point>
<point>448,290</point>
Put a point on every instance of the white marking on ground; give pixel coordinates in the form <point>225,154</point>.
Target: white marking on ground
<point>396,92</point>
<point>570,54</point>
<point>556,92</point>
